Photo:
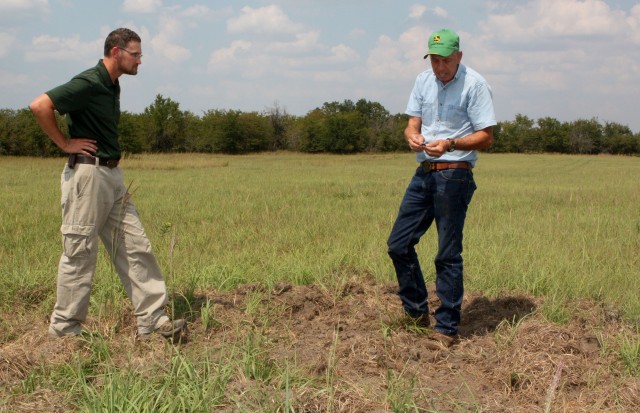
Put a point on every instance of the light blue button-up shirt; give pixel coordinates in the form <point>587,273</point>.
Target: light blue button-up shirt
<point>457,109</point>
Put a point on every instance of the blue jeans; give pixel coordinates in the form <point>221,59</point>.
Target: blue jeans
<point>442,196</point>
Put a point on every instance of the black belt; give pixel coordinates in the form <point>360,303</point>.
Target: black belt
<point>75,158</point>
<point>439,166</point>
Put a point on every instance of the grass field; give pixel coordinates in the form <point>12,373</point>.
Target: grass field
<point>559,229</point>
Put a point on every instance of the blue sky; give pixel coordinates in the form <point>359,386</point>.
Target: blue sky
<point>567,59</point>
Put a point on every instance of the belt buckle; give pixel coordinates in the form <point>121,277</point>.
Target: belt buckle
<point>426,166</point>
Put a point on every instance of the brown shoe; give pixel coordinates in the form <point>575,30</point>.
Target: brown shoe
<point>168,329</point>
<point>443,340</point>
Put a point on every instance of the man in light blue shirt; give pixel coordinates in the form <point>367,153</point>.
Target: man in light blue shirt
<point>451,117</point>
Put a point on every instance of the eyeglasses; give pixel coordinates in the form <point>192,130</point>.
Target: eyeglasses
<point>135,55</point>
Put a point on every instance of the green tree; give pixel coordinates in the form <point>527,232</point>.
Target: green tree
<point>346,127</point>
<point>377,125</point>
<point>280,122</point>
<point>131,140</point>
<point>585,136</point>
<point>193,131</point>
<point>618,139</point>
<point>294,135</point>
<point>256,132</point>
<point>238,132</point>
<point>391,137</point>
<point>210,137</point>
<point>554,135</point>
<point>516,136</point>
<point>343,133</point>
<point>8,143</point>
<point>22,135</point>
<point>165,125</point>
<point>313,132</point>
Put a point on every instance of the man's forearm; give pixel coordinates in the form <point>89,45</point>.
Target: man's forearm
<point>44,111</point>
<point>481,139</point>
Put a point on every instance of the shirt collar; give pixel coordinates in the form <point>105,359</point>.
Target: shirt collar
<point>104,74</point>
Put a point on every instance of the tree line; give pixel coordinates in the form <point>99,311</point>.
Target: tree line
<point>335,127</point>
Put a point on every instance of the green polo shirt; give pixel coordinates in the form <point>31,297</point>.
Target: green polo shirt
<point>91,103</point>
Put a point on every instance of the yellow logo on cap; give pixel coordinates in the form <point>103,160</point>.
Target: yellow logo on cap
<point>436,38</point>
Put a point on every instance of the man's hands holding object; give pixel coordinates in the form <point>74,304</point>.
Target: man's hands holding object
<point>435,148</point>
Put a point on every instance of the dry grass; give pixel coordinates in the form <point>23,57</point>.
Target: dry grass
<point>346,351</point>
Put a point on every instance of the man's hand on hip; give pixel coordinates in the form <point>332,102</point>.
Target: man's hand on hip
<point>81,145</point>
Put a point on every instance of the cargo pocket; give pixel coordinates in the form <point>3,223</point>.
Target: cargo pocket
<point>75,240</point>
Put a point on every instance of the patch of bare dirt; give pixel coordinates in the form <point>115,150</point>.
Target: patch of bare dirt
<point>359,355</point>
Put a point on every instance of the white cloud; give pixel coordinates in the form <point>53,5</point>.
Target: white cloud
<point>163,43</point>
<point>541,20</point>
<point>554,44</point>
<point>357,33</point>
<point>269,19</point>
<point>302,57</point>
<point>141,6</point>
<point>634,23</point>
<point>196,11</point>
<point>559,58</point>
<point>535,42</point>
<point>304,43</point>
<point>6,40</point>
<point>392,59</point>
<point>385,59</point>
<point>332,76</point>
<point>170,51</point>
<point>440,12</point>
<point>342,53</point>
<point>14,5</point>
<point>417,10</point>
<point>229,57</point>
<point>48,47</point>
<point>200,11</point>
<point>541,79</point>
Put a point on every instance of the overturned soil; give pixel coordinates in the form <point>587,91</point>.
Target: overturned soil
<point>358,354</point>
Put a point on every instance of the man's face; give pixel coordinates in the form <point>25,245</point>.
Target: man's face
<point>129,58</point>
<point>445,67</point>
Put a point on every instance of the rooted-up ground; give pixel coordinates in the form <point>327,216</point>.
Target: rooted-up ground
<point>347,349</point>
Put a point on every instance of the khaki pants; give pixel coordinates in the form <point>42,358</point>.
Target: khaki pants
<point>95,203</point>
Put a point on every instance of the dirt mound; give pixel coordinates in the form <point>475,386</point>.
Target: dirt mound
<point>360,355</point>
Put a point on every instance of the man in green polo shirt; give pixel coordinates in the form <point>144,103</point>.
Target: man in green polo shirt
<point>95,201</point>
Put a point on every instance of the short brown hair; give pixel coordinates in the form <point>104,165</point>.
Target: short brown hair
<point>120,38</point>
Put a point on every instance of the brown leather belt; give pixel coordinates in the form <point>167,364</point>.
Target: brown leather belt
<point>75,158</point>
<point>439,166</point>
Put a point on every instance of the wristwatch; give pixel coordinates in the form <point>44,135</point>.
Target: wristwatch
<point>452,145</point>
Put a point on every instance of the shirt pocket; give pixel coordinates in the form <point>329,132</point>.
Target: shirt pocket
<point>455,116</point>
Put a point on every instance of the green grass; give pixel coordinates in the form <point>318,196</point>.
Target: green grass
<point>630,353</point>
<point>557,226</point>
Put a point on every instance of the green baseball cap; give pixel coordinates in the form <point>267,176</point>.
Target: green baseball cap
<point>443,43</point>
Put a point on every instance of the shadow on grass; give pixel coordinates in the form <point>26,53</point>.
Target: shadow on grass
<point>483,315</point>
<point>188,306</point>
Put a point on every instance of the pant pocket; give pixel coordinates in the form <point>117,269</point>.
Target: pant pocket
<point>75,240</point>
